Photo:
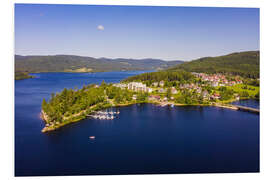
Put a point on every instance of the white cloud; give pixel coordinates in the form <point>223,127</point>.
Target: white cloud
<point>100,27</point>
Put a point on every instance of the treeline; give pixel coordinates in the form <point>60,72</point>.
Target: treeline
<point>69,63</point>
<point>189,97</point>
<point>119,95</point>
<point>252,82</point>
<point>169,77</point>
<point>70,102</point>
<point>245,64</point>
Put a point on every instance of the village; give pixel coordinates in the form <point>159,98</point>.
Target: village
<point>217,79</point>
<point>157,90</point>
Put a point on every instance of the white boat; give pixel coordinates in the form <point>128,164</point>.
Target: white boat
<point>92,137</point>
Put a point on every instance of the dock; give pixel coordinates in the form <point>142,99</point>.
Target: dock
<point>249,109</point>
<point>163,104</point>
<point>104,115</point>
<point>239,108</point>
<point>227,106</point>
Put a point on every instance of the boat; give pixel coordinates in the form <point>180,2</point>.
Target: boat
<point>104,115</point>
<point>92,137</point>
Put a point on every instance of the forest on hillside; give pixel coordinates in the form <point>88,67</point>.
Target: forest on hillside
<point>70,63</point>
<point>178,77</point>
<point>245,64</point>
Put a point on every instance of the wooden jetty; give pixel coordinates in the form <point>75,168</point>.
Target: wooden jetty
<point>228,106</point>
<point>238,107</point>
<point>249,109</point>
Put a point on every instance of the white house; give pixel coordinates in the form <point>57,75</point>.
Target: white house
<point>149,90</point>
<point>134,97</point>
<point>173,90</point>
<point>161,83</point>
<point>155,84</point>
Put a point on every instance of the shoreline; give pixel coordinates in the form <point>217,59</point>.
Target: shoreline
<point>94,71</point>
<point>54,127</point>
<point>28,77</point>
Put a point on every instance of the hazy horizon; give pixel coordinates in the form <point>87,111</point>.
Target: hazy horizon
<point>130,58</point>
<point>134,32</point>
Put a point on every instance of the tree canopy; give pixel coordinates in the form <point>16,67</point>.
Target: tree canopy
<point>245,64</point>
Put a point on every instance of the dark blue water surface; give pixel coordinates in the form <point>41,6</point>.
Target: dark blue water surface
<point>249,103</point>
<point>143,139</point>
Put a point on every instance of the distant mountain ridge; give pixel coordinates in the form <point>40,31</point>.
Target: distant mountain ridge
<point>245,64</point>
<point>71,63</point>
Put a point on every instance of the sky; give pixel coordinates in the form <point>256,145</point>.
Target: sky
<point>168,33</point>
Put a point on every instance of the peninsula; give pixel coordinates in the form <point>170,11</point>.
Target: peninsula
<point>19,75</point>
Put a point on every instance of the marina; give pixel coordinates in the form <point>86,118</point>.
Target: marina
<point>104,115</point>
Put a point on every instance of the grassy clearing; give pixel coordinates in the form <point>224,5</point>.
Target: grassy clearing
<point>240,88</point>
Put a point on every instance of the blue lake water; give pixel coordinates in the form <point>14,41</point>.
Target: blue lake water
<point>249,103</point>
<point>142,139</point>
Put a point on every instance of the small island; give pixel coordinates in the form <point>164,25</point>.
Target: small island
<point>163,88</point>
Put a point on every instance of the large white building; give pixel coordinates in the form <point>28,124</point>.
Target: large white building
<point>138,86</point>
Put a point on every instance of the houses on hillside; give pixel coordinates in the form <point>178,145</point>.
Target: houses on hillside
<point>190,86</point>
<point>215,80</point>
<point>215,96</point>
<point>160,84</point>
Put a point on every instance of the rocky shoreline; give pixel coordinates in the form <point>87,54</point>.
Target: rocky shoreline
<point>45,118</point>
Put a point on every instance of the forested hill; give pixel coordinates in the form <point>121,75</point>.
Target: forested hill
<point>243,63</point>
<point>168,76</point>
<point>69,63</point>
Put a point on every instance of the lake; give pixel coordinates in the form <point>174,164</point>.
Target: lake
<point>143,139</point>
